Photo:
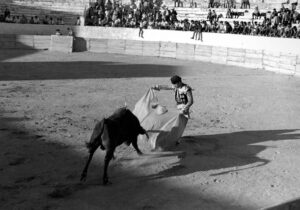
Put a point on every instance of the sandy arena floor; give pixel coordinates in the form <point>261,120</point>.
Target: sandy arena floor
<point>240,150</point>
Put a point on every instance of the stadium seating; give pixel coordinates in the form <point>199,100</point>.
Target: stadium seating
<point>68,10</point>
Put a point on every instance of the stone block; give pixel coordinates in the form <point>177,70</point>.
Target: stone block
<point>185,51</point>
<point>41,42</point>
<point>151,48</point>
<point>133,47</point>
<point>167,49</point>
<point>116,46</point>
<point>98,45</point>
<point>61,43</point>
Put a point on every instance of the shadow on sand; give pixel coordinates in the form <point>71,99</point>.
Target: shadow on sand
<point>231,152</point>
<point>10,71</point>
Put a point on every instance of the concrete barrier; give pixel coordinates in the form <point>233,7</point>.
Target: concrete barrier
<point>24,42</point>
<point>11,41</point>
<point>97,45</point>
<point>41,42</point>
<point>236,56</point>
<point>203,53</point>
<point>151,48</point>
<point>133,47</point>
<point>185,51</point>
<point>271,61</point>
<point>219,55</point>
<point>116,46</point>
<point>209,39</point>
<point>254,58</point>
<point>287,63</point>
<point>167,49</point>
<point>297,69</point>
<point>61,43</point>
<point>8,41</point>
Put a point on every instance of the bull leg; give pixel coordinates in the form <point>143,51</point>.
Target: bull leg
<point>134,144</point>
<point>84,172</point>
<point>109,155</point>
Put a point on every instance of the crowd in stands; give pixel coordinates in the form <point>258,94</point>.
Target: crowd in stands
<point>146,15</point>
<point>8,18</point>
<point>282,23</point>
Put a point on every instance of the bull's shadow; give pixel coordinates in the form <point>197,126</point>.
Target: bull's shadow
<point>228,152</point>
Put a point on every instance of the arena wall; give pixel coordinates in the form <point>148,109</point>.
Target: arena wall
<point>273,54</point>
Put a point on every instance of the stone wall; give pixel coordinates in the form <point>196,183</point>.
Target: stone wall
<point>273,54</point>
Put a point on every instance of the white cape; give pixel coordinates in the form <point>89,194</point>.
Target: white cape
<point>164,126</point>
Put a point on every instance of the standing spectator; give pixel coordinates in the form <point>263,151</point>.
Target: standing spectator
<point>78,22</point>
<point>6,12</point>
<point>210,3</point>
<point>197,31</point>
<point>255,13</point>
<point>141,27</point>
<point>173,15</point>
<point>228,13</point>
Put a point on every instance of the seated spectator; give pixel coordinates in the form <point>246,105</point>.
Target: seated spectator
<point>9,19</point>
<point>228,27</point>
<point>61,21</point>
<point>31,21</point>
<point>18,20</point>
<point>51,21</point>
<point>36,20</point>
<point>70,32</point>
<point>221,27</point>
<point>23,20</point>
<point>45,20</point>
<point>57,32</point>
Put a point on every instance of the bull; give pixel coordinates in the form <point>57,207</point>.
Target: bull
<point>121,127</point>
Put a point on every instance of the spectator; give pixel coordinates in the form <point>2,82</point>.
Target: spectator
<point>78,22</point>
<point>6,12</point>
<point>70,32</point>
<point>197,31</point>
<point>51,21</point>
<point>8,19</point>
<point>23,20</point>
<point>46,20</point>
<point>18,20</point>
<point>210,3</point>
<point>36,20</point>
<point>256,13</point>
<point>57,32</point>
<point>31,21</point>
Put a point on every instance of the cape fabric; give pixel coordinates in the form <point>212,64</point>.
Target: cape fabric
<point>164,126</point>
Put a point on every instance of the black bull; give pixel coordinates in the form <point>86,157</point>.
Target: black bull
<point>122,126</point>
